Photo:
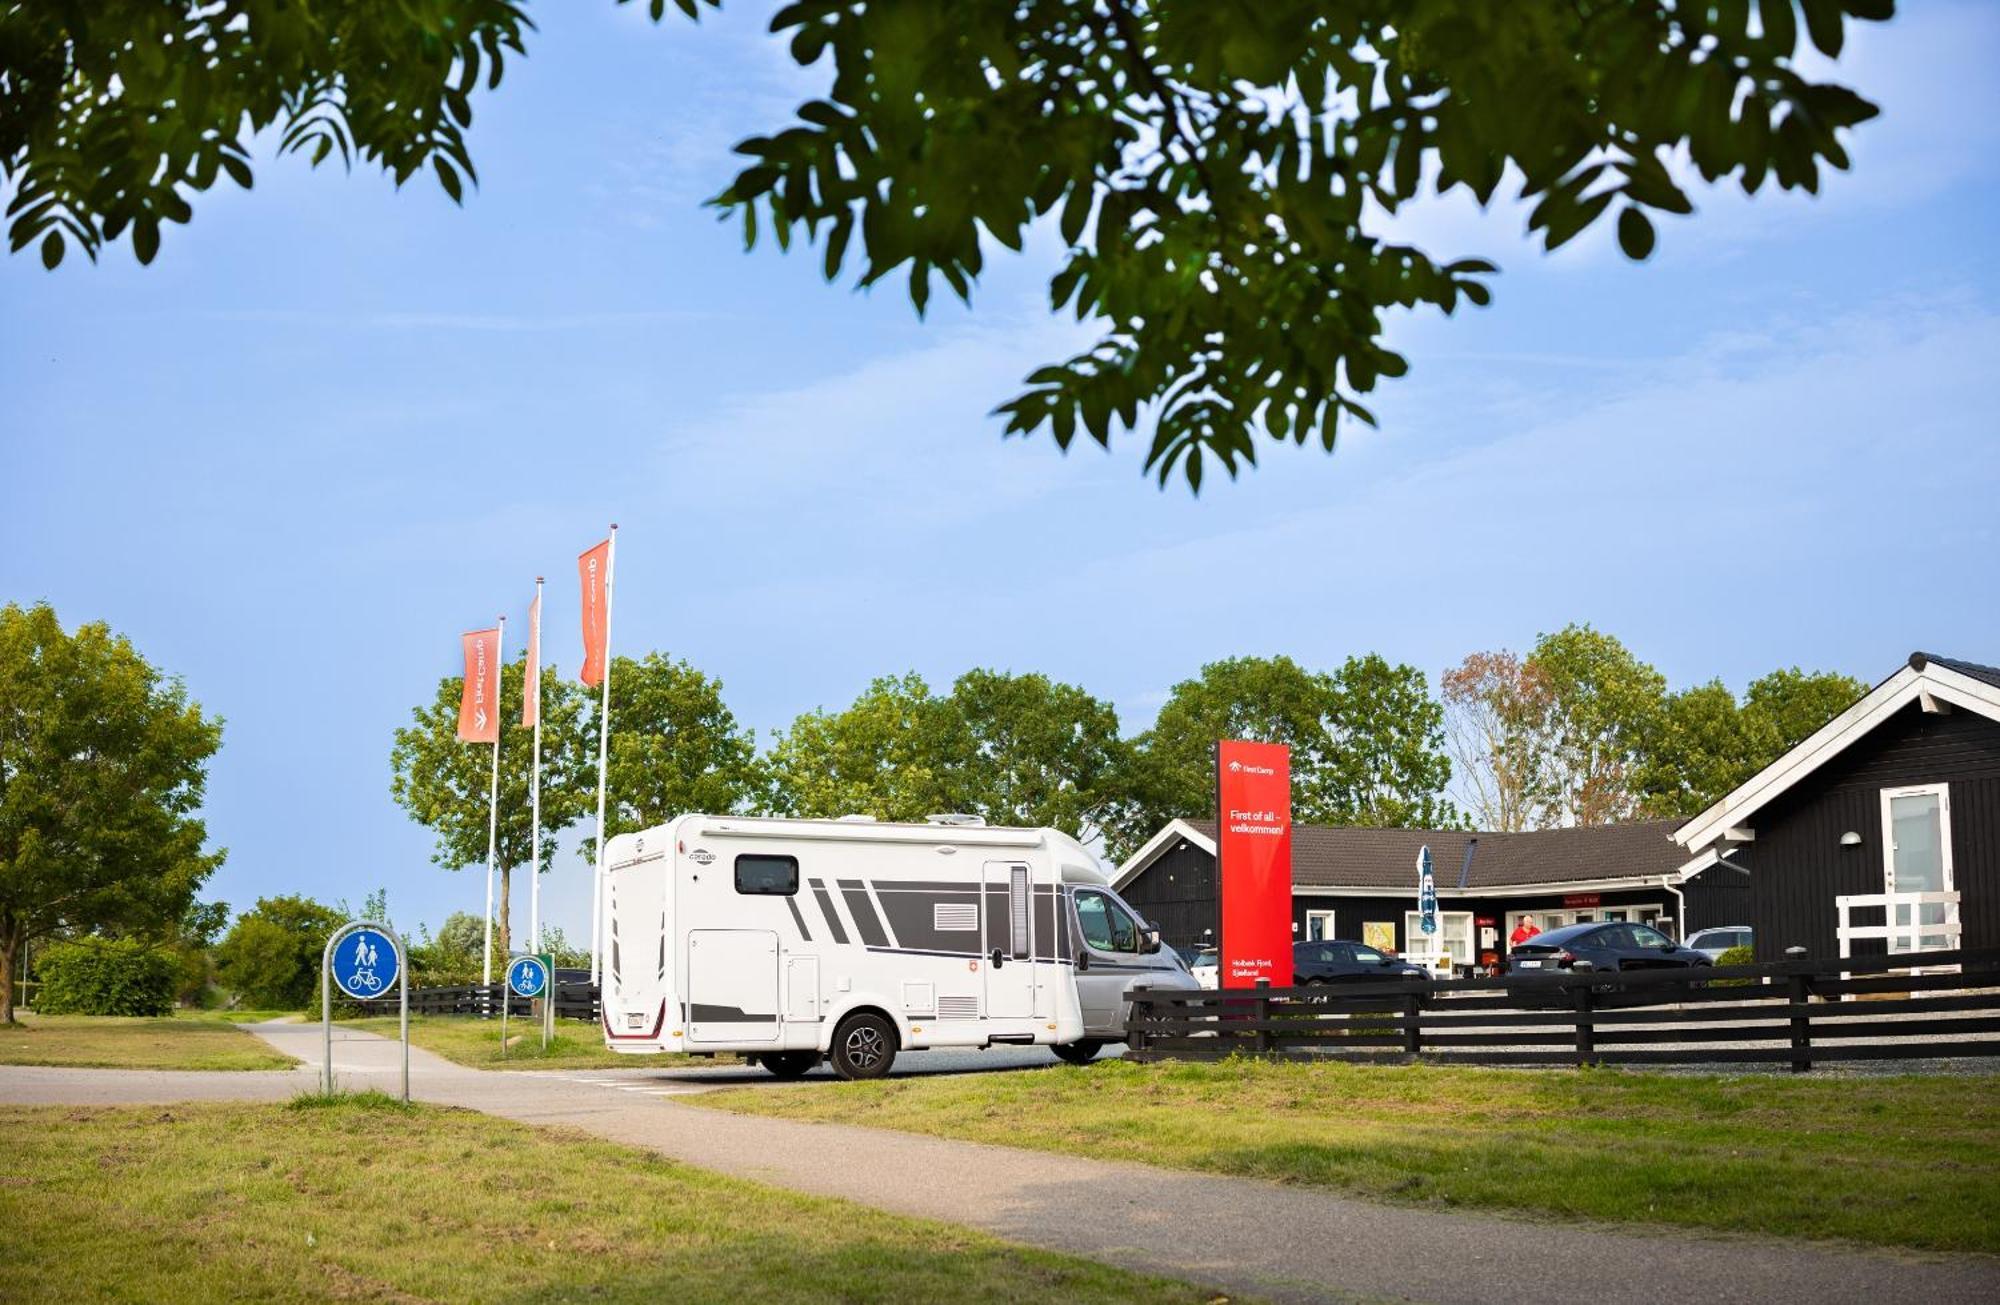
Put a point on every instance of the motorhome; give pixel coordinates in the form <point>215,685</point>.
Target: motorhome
<point>792,941</point>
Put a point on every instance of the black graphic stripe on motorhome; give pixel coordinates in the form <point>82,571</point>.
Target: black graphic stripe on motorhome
<point>826,909</point>
<point>730,1015</point>
<point>944,920</point>
<point>866,921</point>
<point>798,919</point>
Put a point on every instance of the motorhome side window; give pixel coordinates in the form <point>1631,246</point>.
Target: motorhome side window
<point>1105,926</point>
<point>772,876</point>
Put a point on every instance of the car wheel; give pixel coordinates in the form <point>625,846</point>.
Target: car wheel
<point>1078,1053</point>
<point>789,1064</point>
<point>864,1046</point>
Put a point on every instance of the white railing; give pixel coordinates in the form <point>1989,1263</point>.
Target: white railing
<point>1903,924</point>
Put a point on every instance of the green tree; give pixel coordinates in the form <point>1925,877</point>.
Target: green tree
<point>103,763</point>
<point>1034,751</point>
<point>1366,744</point>
<point>1705,743</point>
<point>1221,171</point>
<point>1605,703</point>
<point>675,747</point>
<point>271,956</point>
<point>889,755</point>
<point>444,784</point>
<point>1783,708</point>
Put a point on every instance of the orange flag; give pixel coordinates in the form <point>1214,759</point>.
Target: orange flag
<point>593,569</point>
<point>531,697</point>
<point>479,700</point>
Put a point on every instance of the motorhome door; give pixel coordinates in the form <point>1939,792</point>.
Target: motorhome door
<point>1010,940</point>
<point>732,985</point>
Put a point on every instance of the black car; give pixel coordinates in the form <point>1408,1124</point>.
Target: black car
<point>1332,960</point>
<point>1607,945</point>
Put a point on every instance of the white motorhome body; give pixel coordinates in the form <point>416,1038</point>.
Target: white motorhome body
<point>789,940</point>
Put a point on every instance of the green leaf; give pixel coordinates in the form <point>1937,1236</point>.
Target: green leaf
<point>52,249</point>
<point>1635,234</point>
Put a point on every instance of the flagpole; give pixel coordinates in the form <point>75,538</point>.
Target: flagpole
<point>603,753</point>
<point>493,802</point>
<point>535,787</point>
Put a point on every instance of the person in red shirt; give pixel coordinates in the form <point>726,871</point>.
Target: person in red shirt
<point>1523,931</point>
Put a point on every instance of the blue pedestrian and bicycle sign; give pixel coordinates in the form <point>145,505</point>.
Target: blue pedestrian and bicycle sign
<point>528,976</point>
<point>365,963</point>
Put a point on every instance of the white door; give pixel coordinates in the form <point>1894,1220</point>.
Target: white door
<point>732,985</point>
<point>1009,930</point>
<point>1916,848</point>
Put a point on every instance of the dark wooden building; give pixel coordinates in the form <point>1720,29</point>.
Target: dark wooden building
<point>1362,883</point>
<point>1883,826</point>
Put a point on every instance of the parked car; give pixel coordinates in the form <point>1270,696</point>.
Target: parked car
<point>1207,968</point>
<point>1334,960</point>
<point>1612,945</point>
<point>1713,942</point>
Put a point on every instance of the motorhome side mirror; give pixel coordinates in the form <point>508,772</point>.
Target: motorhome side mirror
<point>1082,961</point>
<point>1152,940</point>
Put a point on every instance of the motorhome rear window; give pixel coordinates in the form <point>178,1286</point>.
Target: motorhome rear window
<point>776,876</point>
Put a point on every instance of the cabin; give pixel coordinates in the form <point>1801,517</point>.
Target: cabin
<point>1880,831</point>
<point>1361,884</point>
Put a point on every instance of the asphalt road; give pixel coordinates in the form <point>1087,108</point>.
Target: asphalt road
<point>1242,1236</point>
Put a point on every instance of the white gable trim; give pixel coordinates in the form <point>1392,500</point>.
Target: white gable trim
<point>1939,683</point>
<point>1169,836</point>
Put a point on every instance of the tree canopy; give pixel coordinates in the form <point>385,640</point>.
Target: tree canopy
<point>1366,740</point>
<point>1223,173</point>
<point>103,764</point>
<point>675,746</point>
<point>271,956</point>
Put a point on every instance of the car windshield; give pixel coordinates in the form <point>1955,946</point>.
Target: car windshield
<point>1206,956</point>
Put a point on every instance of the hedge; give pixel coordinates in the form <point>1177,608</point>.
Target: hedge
<point>105,976</point>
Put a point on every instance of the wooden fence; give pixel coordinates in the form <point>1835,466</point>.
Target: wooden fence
<point>574,1001</point>
<point>1795,1012</point>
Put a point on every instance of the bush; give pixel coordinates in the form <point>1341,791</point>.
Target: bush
<point>271,957</point>
<point>1736,956</point>
<point>105,976</point>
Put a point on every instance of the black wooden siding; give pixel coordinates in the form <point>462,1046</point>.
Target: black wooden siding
<point>1178,894</point>
<point>1798,865</point>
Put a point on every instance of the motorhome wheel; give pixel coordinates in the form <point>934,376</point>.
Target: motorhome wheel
<point>864,1046</point>
<point>1078,1053</point>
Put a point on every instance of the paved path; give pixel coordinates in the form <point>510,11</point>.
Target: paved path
<point>1284,1243</point>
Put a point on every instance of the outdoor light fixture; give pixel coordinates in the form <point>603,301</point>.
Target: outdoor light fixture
<point>1850,839</point>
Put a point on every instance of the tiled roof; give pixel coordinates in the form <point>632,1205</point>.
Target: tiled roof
<point>1325,856</point>
<point>1985,674</point>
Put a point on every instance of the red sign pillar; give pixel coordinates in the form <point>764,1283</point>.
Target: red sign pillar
<point>1253,850</point>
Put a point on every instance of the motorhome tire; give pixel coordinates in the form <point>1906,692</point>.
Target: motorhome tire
<point>1078,1053</point>
<point>789,1064</point>
<point>864,1046</point>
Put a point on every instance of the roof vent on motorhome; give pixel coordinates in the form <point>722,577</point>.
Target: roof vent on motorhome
<point>953,818</point>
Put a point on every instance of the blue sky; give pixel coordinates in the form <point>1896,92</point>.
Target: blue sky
<point>1773,444</point>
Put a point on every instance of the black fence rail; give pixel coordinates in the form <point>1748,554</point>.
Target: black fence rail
<point>574,1001</point>
<point>1795,1012</point>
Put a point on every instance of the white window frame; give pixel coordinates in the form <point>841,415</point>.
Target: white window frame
<point>1413,934</point>
<point>1950,884</point>
<point>1326,933</point>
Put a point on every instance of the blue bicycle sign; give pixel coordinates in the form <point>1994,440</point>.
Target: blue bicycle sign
<point>365,963</point>
<point>528,976</point>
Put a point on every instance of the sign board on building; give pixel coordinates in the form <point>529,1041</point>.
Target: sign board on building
<point>1254,853</point>
<point>1583,899</point>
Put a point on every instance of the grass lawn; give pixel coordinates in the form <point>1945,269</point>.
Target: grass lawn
<point>1904,1161</point>
<point>196,1040</point>
<point>476,1042</point>
<point>366,1198</point>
